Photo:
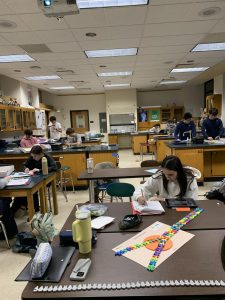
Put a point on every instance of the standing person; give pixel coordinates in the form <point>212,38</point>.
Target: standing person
<point>5,211</point>
<point>28,140</point>
<point>183,126</point>
<point>55,128</point>
<point>32,166</point>
<point>72,137</point>
<point>212,127</point>
<point>171,181</point>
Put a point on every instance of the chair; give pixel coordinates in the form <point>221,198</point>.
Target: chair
<point>120,190</point>
<point>195,171</point>
<point>65,176</point>
<point>149,163</point>
<point>100,185</point>
<point>4,232</point>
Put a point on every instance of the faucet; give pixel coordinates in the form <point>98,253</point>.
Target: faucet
<point>190,132</point>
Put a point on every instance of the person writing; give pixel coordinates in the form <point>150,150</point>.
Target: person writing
<point>32,166</point>
<point>55,128</point>
<point>28,140</point>
<point>72,137</point>
<point>5,211</point>
<point>171,181</point>
<point>185,128</point>
<point>212,127</point>
<point>155,129</point>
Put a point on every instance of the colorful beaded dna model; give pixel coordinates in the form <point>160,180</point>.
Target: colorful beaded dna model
<point>163,239</point>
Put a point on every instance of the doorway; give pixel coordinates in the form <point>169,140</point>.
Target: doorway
<point>80,120</point>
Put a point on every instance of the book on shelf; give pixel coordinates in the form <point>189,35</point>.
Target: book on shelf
<point>151,208</point>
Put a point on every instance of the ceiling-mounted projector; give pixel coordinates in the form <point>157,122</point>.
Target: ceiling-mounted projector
<point>58,8</point>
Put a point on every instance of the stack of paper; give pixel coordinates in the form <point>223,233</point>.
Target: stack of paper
<point>6,170</point>
<point>25,150</point>
<point>101,222</point>
<point>22,181</point>
<point>152,208</point>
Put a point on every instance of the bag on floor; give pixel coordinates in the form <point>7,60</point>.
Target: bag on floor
<point>217,192</point>
<point>43,228</point>
<point>25,241</point>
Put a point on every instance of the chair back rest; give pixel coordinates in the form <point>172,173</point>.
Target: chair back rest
<point>104,165</point>
<point>150,163</point>
<point>120,189</point>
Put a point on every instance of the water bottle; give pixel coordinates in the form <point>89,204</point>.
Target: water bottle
<point>44,163</point>
<point>90,165</point>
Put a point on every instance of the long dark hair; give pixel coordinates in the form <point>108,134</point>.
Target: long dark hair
<point>173,163</point>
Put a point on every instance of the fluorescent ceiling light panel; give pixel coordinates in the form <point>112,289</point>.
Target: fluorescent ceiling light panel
<point>50,77</point>
<point>185,70</point>
<point>61,87</point>
<point>15,58</point>
<point>117,85</point>
<point>209,47</point>
<point>109,3</point>
<point>111,74</point>
<point>111,52</point>
<point>172,81</point>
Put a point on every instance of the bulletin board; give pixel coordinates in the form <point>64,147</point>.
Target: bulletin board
<point>154,115</point>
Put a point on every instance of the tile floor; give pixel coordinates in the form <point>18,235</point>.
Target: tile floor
<point>12,263</point>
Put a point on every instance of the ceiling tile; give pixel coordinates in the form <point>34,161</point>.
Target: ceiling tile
<point>64,47</point>
<point>109,44</point>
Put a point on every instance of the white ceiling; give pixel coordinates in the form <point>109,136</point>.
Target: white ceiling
<point>165,31</point>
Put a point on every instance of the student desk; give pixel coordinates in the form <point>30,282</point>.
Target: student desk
<point>198,259</point>
<point>112,174</point>
<point>38,184</point>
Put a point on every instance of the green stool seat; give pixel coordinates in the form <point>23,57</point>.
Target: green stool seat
<point>120,189</point>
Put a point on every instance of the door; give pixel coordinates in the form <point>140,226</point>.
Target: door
<point>80,120</point>
<point>103,122</point>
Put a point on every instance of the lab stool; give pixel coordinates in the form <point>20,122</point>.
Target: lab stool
<point>150,149</point>
<point>4,232</point>
<point>65,176</point>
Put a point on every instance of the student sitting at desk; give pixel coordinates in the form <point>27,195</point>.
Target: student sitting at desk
<point>171,181</point>
<point>212,127</point>
<point>72,137</point>
<point>5,211</point>
<point>34,165</point>
<point>184,127</point>
<point>28,140</point>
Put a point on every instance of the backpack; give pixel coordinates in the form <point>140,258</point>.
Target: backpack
<point>217,192</point>
<point>24,242</point>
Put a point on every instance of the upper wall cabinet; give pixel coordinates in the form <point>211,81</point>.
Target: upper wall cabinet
<point>16,118</point>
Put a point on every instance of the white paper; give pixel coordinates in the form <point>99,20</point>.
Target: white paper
<point>20,175</point>
<point>21,181</point>
<point>100,222</point>
<point>152,171</point>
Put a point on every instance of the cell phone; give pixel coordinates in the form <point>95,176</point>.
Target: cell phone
<point>81,269</point>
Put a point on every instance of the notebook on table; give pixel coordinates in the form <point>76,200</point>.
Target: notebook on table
<point>152,208</point>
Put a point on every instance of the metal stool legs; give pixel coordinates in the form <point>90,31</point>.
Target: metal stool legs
<point>5,234</point>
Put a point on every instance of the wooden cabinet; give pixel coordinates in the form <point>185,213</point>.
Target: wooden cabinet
<point>77,163</point>
<point>136,140</point>
<point>166,113</point>
<point>16,118</point>
<point>214,101</point>
<point>99,157</point>
<point>113,139</point>
<point>28,117</point>
<point>161,149</point>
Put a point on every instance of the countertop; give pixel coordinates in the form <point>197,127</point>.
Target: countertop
<point>87,149</point>
<point>195,146</point>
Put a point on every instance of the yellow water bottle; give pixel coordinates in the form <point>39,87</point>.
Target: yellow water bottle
<point>44,163</point>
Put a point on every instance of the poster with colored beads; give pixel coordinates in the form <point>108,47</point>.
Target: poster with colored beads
<point>144,247</point>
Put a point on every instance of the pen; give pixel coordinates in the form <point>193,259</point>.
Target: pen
<point>82,265</point>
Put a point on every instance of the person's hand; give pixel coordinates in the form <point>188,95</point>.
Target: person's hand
<point>35,170</point>
<point>141,200</point>
<point>27,170</point>
<point>8,178</point>
<point>210,138</point>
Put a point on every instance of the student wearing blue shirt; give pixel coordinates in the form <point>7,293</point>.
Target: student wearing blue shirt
<point>183,126</point>
<point>212,127</point>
